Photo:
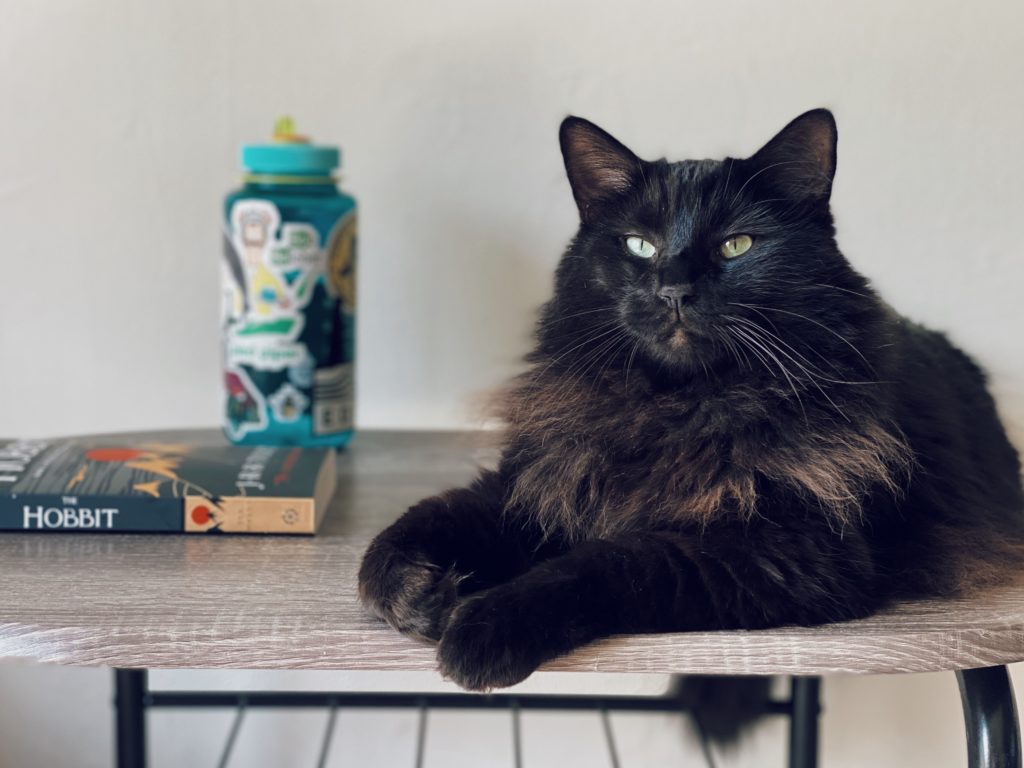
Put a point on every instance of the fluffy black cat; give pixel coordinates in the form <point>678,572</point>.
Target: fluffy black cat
<point>723,426</point>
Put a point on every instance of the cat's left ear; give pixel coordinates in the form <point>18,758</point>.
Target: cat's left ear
<point>600,167</point>
<point>801,159</point>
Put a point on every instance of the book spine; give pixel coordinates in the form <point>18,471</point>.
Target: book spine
<point>250,514</point>
<point>92,514</point>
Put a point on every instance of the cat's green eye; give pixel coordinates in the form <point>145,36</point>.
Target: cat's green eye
<point>640,247</point>
<point>735,246</point>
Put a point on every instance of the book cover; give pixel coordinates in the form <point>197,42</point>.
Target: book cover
<point>119,485</point>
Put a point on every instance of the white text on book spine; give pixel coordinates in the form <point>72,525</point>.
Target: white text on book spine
<point>68,517</point>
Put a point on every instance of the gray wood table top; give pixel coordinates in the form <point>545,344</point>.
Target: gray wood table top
<point>290,603</point>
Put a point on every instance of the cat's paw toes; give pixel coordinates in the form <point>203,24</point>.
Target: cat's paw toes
<point>412,594</point>
<point>484,647</point>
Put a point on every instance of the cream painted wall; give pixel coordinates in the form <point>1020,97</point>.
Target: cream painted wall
<point>121,122</point>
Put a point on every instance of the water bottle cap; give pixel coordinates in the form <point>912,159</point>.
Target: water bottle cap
<point>290,154</point>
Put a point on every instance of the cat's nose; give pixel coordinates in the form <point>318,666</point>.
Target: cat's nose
<point>676,295</point>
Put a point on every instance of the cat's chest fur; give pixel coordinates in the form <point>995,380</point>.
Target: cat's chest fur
<point>590,460</point>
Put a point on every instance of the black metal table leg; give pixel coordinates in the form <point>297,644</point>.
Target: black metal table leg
<point>803,722</point>
<point>990,716</point>
<point>130,722</point>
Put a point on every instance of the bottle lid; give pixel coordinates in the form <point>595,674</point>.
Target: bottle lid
<point>290,154</point>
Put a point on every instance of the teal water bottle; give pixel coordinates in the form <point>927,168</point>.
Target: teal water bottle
<point>288,320</point>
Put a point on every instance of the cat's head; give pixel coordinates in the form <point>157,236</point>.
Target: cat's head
<point>704,262</point>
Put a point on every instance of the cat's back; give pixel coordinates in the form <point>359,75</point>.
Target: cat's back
<point>944,407</point>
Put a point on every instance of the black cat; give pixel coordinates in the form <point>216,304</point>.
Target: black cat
<point>723,426</point>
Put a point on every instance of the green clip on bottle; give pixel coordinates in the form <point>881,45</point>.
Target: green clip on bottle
<point>289,297</point>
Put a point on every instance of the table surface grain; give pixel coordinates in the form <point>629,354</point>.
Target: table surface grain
<point>254,602</point>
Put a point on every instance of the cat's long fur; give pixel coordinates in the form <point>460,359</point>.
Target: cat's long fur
<point>679,460</point>
<point>766,443</point>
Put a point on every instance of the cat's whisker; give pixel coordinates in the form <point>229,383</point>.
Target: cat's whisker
<point>716,339</point>
<point>616,345</point>
<point>735,350</point>
<point>742,344</point>
<point>610,357</point>
<point>810,376</point>
<point>723,191</point>
<point>773,342</point>
<point>763,170</point>
<point>601,329</point>
<point>760,309</point>
<point>563,318</point>
<point>772,200</point>
<point>602,351</point>
<point>801,283</point>
<point>811,369</point>
<point>757,327</point>
<point>778,331</point>
<point>578,370</point>
<point>762,351</point>
<point>606,352</point>
<point>629,361</point>
<point>810,320</point>
<point>775,358</point>
<point>844,290</point>
<point>614,335</point>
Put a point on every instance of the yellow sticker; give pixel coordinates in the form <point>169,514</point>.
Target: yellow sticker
<point>341,262</point>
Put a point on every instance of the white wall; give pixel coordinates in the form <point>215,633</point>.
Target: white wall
<point>121,122</point>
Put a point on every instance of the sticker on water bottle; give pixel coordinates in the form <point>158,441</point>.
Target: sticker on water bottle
<point>332,399</point>
<point>288,316</point>
<point>271,275</point>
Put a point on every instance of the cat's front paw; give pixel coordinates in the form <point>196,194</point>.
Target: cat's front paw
<point>406,589</point>
<point>487,646</point>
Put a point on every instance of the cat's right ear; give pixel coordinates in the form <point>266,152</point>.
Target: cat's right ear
<point>600,167</point>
